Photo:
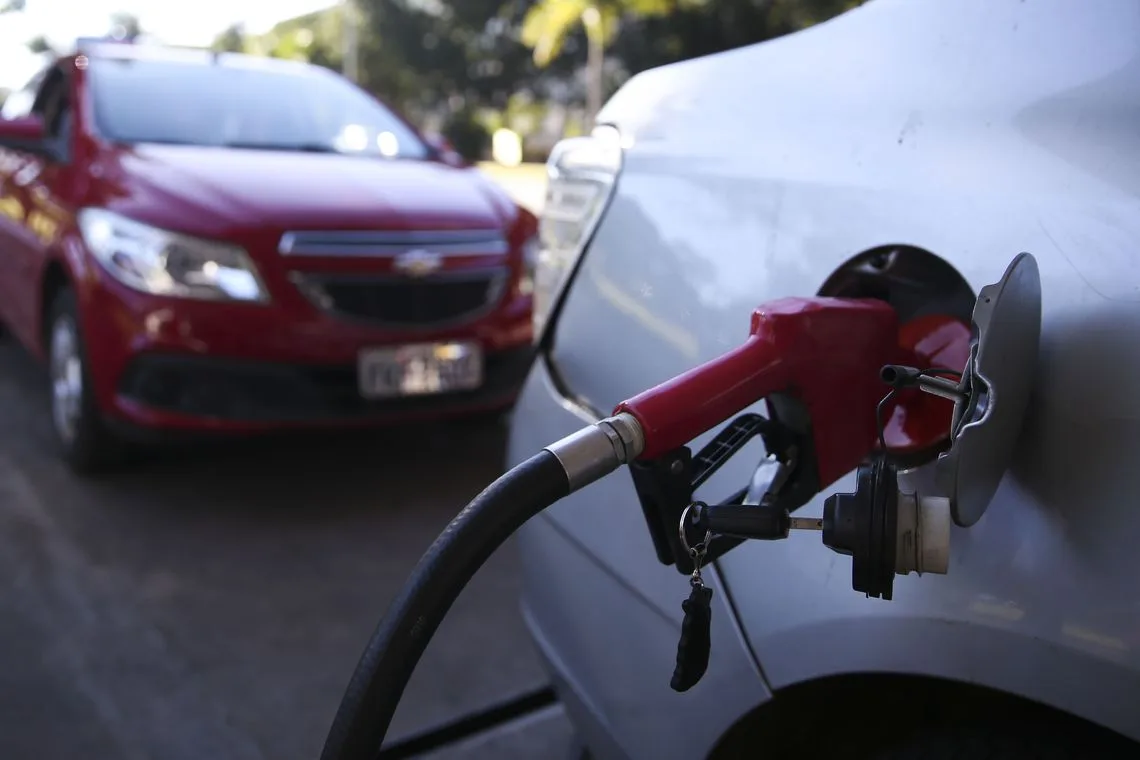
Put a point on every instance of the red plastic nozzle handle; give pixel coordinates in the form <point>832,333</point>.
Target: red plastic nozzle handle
<point>826,351</point>
<point>678,410</point>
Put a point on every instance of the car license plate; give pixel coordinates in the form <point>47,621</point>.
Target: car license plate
<point>420,369</point>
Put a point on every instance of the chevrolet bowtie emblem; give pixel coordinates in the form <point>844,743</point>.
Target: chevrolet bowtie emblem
<point>418,263</point>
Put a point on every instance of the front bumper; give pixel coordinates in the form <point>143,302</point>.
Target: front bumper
<point>180,391</point>
<point>191,366</point>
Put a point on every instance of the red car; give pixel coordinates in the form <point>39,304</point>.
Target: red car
<point>219,243</point>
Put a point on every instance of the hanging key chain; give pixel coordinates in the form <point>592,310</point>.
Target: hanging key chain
<point>696,631</point>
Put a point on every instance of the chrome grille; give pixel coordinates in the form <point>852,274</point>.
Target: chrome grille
<point>434,301</point>
<point>388,243</point>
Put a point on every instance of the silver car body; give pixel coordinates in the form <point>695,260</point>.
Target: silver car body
<point>972,129</point>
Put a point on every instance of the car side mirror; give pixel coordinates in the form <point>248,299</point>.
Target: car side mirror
<point>446,151</point>
<point>26,133</point>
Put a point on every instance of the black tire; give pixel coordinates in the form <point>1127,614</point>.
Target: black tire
<point>1025,742</point>
<point>884,717</point>
<point>83,440</point>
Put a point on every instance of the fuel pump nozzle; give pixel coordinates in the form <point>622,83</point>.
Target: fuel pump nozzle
<point>831,372</point>
<point>816,363</point>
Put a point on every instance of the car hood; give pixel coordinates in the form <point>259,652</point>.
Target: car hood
<point>213,190</point>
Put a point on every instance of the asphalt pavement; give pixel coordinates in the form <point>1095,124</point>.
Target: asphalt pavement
<point>212,601</point>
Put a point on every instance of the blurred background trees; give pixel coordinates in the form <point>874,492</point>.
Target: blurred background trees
<point>540,68</point>
<point>125,27</point>
<point>549,23</point>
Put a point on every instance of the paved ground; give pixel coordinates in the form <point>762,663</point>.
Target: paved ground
<point>212,604</point>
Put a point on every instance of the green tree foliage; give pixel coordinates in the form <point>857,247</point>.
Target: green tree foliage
<point>452,58</point>
<point>549,22</point>
<point>410,54</point>
<point>125,26</point>
<point>314,37</point>
<point>232,40</point>
<point>467,134</point>
<point>11,6</point>
<point>40,45</point>
<point>495,63</point>
<point>650,41</point>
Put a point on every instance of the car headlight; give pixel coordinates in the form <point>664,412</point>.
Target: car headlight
<point>167,263</point>
<point>581,175</point>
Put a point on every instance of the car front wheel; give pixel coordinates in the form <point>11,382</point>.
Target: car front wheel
<point>85,443</point>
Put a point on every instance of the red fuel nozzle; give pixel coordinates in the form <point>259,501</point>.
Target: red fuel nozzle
<point>826,353</point>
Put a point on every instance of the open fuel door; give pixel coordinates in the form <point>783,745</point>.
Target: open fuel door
<point>995,390</point>
<point>889,530</point>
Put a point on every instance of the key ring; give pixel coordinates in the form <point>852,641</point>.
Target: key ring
<point>699,549</point>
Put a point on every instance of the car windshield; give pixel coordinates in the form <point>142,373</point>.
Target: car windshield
<point>191,103</point>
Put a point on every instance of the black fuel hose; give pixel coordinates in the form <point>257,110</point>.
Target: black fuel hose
<point>383,672</point>
<point>374,692</point>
